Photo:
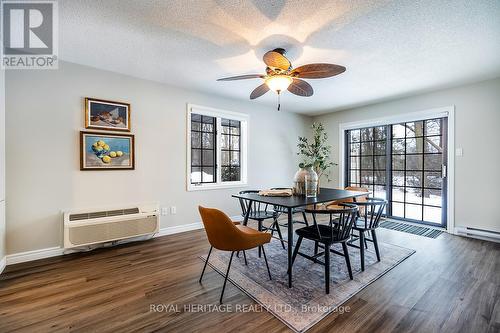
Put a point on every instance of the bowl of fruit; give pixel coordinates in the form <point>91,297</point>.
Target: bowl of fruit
<point>100,149</point>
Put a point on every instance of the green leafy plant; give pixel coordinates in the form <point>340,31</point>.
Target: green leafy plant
<point>317,153</point>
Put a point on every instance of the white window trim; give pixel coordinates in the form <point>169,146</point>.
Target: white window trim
<point>447,111</point>
<point>208,111</point>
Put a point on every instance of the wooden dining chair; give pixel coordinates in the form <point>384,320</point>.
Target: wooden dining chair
<point>223,234</point>
<point>338,231</point>
<point>368,220</point>
<point>335,204</point>
<point>260,212</point>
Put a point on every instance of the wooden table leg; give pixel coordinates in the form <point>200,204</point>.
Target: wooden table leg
<point>290,246</point>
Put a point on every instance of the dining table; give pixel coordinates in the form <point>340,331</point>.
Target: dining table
<point>289,203</point>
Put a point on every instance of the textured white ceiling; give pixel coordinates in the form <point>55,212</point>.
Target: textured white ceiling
<point>390,48</point>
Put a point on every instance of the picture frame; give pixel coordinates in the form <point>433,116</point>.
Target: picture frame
<point>107,115</point>
<point>106,151</point>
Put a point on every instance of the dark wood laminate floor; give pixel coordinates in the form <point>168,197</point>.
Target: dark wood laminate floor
<point>451,284</point>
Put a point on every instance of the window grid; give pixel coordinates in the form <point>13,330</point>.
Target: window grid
<point>203,148</point>
<point>231,171</point>
<point>371,176</point>
<point>422,160</point>
<point>422,170</point>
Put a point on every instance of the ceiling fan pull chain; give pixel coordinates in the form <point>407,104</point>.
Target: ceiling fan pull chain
<point>279,104</point>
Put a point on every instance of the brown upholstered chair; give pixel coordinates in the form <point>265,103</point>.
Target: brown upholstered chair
<point>223,234</point>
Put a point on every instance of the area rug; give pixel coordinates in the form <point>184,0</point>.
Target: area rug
<point>306,303</point>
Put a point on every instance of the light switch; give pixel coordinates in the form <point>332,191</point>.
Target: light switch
<point>459,152</point>
<point>173,210</point>
<point>164,211</point>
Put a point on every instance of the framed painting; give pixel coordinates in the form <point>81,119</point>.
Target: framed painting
<point>107,115</point>
<point>99,151</point>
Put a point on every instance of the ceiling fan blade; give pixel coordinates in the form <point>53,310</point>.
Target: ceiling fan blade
<point>277,60</point>
<point>301,88</point>
<point>318,71</point>
<point>242,77</point>
<point>259,91</point>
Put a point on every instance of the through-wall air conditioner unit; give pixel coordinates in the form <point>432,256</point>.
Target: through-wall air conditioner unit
<point>86,227</point>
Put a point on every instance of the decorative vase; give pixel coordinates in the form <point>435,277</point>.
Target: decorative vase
<point>305,182</point>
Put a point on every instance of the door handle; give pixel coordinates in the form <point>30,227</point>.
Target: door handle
<point>443,170</point>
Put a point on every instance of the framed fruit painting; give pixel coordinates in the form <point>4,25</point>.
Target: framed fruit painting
<point>99,151</point>
<point>107,115</point>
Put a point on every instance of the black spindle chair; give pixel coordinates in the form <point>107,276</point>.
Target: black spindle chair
<point>370,212</point>
<point>337,231</point>
<point>259,212</point>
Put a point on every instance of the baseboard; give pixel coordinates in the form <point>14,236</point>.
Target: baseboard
<point>179,228</point>
<point>188,227</point>
<point>17,258</point>
<point>3,263</point>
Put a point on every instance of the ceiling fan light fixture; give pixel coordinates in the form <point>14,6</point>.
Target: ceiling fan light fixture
<point>278,83</point>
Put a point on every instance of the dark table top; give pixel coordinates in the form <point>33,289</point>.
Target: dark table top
<point>325,195</point>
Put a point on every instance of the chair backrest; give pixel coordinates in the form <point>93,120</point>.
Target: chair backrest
<point>253,207</point>
<point>340,226</point>
<point>221,231</point>
<point>371,211</point>
<point>357,189</point>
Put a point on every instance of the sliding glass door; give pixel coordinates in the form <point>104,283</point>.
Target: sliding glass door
<point>403,163</point>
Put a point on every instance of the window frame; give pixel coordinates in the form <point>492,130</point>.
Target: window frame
<point>389,154</point>
<point>218,114</point>
<point>446,111</point>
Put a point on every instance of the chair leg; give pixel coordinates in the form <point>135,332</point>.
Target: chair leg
<point>277,226</point>
<point>375,244</point>
<point>245,256</point>
<point>295,251</point>
<point>305,218</point>
<point>205,266</point>
<point>259,227</point>
<point>265,259</point>
<point>316,248</point>
<point>347,259</point>
<point>225,278</point>
<point>366,244</point>
<point>327,268</point>
<point>362,249</point>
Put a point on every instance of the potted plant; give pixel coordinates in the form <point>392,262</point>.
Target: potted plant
<point>317,152</point>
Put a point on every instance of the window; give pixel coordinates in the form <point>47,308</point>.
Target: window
<point>367,165</point>
<point>230,150</point>
<point>203,147</point>
<point>403,163</point>
<point>417,164</point>
<point>216,148</point>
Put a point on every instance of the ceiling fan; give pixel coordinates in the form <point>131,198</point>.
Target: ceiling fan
<point>280,75</point>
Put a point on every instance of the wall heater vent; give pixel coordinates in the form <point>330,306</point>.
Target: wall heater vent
<point>478,233</point>
<point>99,226</point>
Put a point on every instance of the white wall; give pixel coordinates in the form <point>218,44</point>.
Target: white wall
<point>477,131</point>
<point>44,117</point>
<point>2,169</point>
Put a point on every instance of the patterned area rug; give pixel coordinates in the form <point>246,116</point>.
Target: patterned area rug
<point>306,303</point>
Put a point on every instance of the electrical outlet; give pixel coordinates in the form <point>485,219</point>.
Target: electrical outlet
<point>173,210</point>
<point>459,152</point>
<point>164,211</point>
